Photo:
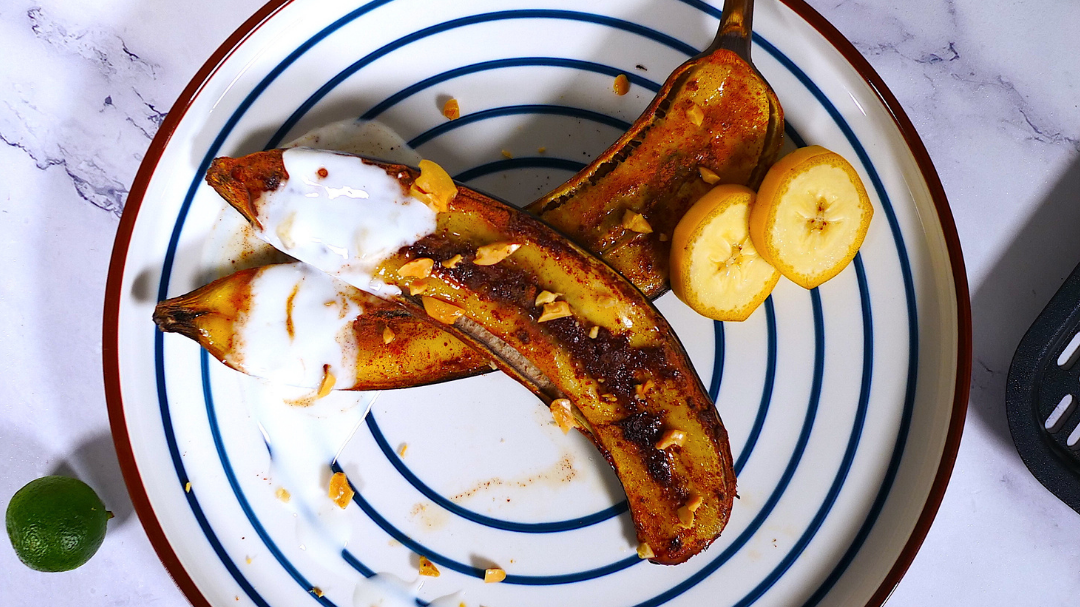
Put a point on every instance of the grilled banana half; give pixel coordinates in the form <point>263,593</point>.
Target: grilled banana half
<point>291,322</point>
<point>713,121</point>
<point>546,312</point>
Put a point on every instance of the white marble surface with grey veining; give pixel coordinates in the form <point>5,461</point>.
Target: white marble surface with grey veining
<point>993,87</point>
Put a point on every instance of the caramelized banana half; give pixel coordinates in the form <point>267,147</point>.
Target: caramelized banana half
<point>546,312</point>
<point>291,322</point>
<point>713,121</point>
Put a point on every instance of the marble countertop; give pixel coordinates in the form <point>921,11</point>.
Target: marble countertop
<point>992,87</point>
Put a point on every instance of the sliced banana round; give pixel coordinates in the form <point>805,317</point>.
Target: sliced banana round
<point>715,268</point>
<point>811,215</point>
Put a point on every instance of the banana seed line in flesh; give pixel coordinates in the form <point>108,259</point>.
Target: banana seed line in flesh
<point>596,349</point>
<point>714,118</point>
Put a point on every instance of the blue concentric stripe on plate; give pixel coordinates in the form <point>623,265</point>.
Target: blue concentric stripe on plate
<point>849,453</point>
<point>693,580</point>
<point>254,93</point>
<point>511,164</point>
<point>912,317</point>
<point>511,110</point>
<point>181,473</point>
<point>563,15</point>
<point>226,466</point>
<point>487,521</point>
<point>785,479</point>
<point>166,273</point>
<point>496,64</point>
<point>170,254</point>
<point>766,392</point>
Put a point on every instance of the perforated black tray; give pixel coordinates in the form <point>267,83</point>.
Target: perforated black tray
<point>1042,396</point>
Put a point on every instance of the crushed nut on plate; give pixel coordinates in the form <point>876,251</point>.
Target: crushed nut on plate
<point>340,491</point>
<point>327,383</point>
<point>451,109</point>
<point>622,85</point>
<point>493,575</point>
<point>428,568</point>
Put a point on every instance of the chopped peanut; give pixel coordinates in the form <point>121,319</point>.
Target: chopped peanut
<point>672,437</point>
<point>340,491</point>
<point>491,254</point>
<point>546,297</point>
<point>562,411</point>
<point>327,383</point>
<point>434,187</point>
<point>644,551</point>
<point>636,222</point>
<point>317,591</point>
<point>452,262</point>
<point>695,114</point>
<point>622,85</point>
<point>387,335</point>
<point>442,311</point>
<point>694,502</point>
<point>686,517</point>
<point>664,238</point>
<point>418,287</point>
<point>593,332</point>
<point>494,575</point>
<point>553,310</point>
<point>708,175</point>
<point>541,150</point>
<point>686,511</point>
<point>507,154</point>
<point>417,268</point>
<point>282,494</point>
<point>451,109</point>
<point>428,568</point>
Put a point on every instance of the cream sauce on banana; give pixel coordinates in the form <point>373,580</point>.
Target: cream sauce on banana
<point>304,439</point>
<point>297,327</point>
<point>362,217</point>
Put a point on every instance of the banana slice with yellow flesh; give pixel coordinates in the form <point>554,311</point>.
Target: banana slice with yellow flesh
<point>715,268</point>
<point>811,215</point>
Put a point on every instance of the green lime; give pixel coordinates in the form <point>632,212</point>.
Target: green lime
<point>56,523</point>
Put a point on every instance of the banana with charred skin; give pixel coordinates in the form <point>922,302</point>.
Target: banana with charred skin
<point>599,350</point>
<point>288,322</point>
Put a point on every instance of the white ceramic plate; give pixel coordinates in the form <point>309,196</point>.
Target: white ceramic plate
<point>844,404</point>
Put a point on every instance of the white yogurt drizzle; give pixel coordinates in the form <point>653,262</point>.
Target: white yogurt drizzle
<point>321,310</point>
<point>342,216</point>
<point>363,217</point>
